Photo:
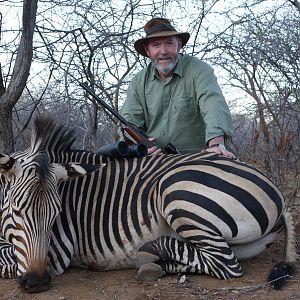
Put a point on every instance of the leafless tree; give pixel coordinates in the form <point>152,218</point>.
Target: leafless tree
<point>255,42</point>
<point>261,55</point>
<point>11,91</point>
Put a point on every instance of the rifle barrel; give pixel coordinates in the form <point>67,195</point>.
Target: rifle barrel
<point>135,133</point>
<point>109,108</point>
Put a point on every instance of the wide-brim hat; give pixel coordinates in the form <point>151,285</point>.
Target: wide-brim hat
<point>159,27</point>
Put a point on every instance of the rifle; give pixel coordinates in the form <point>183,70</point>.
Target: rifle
<point>131,129</point>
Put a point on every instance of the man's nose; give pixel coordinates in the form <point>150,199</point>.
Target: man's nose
<point>163,48</point>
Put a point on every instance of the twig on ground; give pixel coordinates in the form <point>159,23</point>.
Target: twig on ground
<point>247,288</point>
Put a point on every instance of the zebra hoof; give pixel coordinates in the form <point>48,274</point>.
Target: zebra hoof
<point>145,258</point>
<point>150,272</point>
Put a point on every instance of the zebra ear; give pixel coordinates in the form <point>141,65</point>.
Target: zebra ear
<point>74,170</point>
<point>6,164</point>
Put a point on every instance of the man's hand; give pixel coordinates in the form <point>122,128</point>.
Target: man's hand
<point>216,145</point>
<point>220,151</point>
<point>154,150</point>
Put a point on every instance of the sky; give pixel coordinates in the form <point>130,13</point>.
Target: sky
<point>11,12</point>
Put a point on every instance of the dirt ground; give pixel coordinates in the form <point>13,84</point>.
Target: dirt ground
<point>83,284</point>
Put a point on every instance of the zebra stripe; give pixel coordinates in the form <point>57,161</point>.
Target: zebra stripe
<point>173,213</point>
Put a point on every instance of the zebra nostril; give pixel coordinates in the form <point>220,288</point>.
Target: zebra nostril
<point>22,281</point>
<point>32,283</point>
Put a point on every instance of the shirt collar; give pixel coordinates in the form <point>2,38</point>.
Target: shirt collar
<point>179,66</point>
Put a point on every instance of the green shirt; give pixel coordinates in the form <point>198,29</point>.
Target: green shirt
<point>187,110</point>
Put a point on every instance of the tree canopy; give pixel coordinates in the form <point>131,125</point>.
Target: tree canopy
<point>252,45</point>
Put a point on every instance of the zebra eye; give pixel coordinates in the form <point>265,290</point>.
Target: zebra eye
<point>17,212</point>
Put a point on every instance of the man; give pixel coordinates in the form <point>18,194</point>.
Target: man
<point>176,98</point>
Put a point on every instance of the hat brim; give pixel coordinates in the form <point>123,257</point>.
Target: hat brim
<point>139,44</point>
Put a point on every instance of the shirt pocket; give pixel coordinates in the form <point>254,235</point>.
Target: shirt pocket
<point>183,108</point>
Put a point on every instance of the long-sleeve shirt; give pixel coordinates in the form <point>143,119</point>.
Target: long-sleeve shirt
<point>188,109</point>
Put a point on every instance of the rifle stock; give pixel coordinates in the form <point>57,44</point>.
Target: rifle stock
<point>131,130</point>
<point>137,136</point>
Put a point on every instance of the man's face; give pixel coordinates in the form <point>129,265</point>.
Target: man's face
<point>163,53</point>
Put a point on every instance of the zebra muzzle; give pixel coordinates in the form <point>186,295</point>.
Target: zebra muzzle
<point>34,283</point>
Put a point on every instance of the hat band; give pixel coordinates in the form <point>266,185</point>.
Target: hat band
<point>159,28</point>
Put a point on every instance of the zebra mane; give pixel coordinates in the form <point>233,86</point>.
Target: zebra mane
<point>47,135</point>
<point>42,165</point>
<point>57,140</point>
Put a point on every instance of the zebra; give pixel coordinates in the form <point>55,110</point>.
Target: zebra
<point>164,214</point>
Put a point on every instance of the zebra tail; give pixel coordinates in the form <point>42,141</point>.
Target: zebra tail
<point>285,269</point>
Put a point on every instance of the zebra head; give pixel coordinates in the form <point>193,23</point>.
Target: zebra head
<point>30,203</point>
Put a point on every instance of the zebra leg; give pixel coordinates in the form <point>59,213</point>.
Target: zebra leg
<point>8,263</point>
<point>167,255</point>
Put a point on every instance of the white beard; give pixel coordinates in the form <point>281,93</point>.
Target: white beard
<point>165,70</point>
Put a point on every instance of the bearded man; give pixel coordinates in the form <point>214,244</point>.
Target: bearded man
<point>176,98</point>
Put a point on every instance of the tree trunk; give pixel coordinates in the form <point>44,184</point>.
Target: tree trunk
<point>6,132</point>
<point>19,76</point>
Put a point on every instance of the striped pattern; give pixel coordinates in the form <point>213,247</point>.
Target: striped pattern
<point>8,263</point>
<point>172,214</point>
<point>28,213</point>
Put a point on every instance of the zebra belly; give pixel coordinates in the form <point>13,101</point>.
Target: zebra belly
<point>121,256</point>
<point>109,261</point>
<point>249,250</point>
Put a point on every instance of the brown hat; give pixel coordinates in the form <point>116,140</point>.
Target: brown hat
<point>159,27</point>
